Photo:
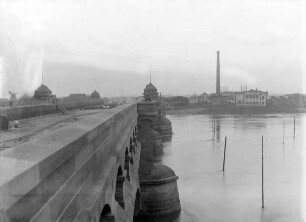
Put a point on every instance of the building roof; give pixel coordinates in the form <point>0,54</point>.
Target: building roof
<point>77,96</point>
<point>95,93</point>
<point>43,88</point>
<point>42,92</point>
<point>256,90</point>
<point>150,86</point>
<point>252,90</point>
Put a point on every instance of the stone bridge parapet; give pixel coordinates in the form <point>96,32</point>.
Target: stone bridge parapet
<point>86,170</point>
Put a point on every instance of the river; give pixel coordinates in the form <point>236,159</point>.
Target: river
<point>196,152</point>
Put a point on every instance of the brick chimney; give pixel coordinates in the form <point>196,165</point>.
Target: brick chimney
<point>218,75</point>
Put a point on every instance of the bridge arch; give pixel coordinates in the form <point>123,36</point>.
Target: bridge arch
<point>127,164</point>
<point>106,214</point>
<point>119,197</point>
<point>131,160</point>
<point>137,204</point>
<point>132,147</point>
<point>135,138</point>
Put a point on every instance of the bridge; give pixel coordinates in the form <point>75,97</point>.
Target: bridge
<point>88,168</point>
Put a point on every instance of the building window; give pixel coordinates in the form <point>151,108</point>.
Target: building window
<point>263,97</point>
<point>263,103</point>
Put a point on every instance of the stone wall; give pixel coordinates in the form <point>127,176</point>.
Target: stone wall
<point>151,108</point>
<point>22,112</point>
<point>71,173</point>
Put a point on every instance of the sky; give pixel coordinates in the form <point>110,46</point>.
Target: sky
<point>83,45</point>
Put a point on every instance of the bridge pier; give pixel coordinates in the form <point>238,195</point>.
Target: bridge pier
<point>158,183</point>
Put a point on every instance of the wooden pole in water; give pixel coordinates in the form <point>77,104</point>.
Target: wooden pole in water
<point>294,128</point>
<point>224,154</point>
<point>262,175</point>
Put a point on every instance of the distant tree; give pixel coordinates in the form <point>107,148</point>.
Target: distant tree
<point>194,98</point>
<point>25,97</point>
<point>178,101</point>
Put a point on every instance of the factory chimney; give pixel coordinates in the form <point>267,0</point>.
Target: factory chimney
<point>218,75</point>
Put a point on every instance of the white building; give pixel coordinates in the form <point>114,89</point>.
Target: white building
<point>230,97</point>
<point>251,98</point>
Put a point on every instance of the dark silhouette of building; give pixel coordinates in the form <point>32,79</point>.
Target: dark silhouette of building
<point>95,95</point>
<point>43,92</point>
<point>178,101</point>
<point>150,92</point>
<point>78,96</point>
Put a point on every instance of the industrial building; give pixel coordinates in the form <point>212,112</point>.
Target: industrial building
<point>249,98</point>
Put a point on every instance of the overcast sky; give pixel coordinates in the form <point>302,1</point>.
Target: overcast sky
<point>105,44</point>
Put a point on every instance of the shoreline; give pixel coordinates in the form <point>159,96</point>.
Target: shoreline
<point>234,110</point>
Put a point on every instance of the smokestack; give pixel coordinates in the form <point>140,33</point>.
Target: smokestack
<point>218,75</point>
<point>241,88</point>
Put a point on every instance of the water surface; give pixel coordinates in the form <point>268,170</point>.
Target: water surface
<point>209,194</point>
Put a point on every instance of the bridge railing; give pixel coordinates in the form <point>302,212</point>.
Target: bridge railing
<point>22,112</point>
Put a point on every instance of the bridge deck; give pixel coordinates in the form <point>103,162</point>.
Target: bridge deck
<point>32,127</point>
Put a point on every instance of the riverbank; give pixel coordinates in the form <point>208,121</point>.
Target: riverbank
<point>234,110</point>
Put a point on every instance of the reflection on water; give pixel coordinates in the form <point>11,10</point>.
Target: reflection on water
<point>216,127</point>
<point>195,153</point>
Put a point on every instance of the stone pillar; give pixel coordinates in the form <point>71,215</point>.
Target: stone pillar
<point>159,197</point>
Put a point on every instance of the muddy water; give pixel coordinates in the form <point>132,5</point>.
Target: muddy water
<point>207,193</point>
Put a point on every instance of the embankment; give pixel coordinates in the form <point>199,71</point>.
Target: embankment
<point>234,110</point>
